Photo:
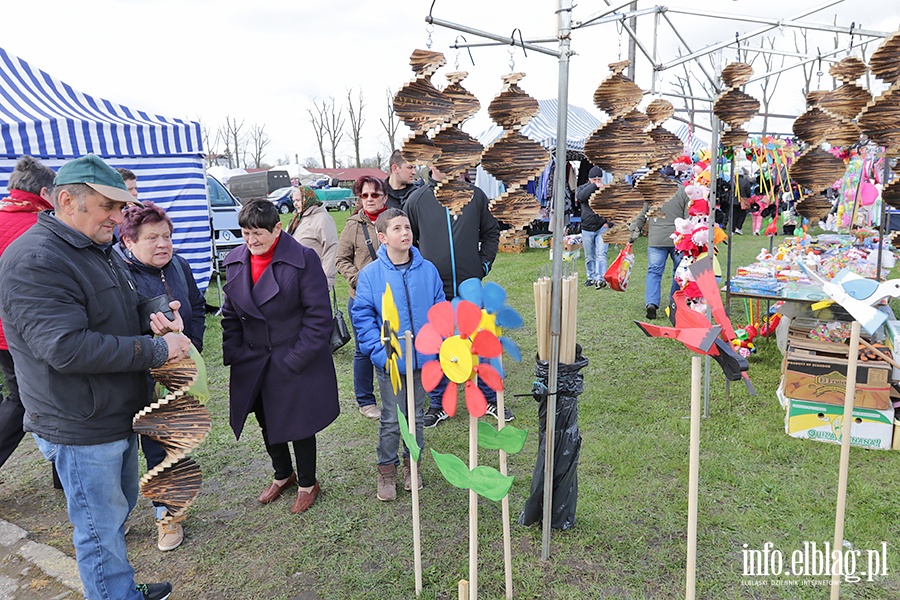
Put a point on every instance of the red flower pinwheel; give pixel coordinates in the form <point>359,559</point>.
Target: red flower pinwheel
<point>452,333</point>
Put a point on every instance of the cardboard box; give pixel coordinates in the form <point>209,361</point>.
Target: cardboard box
<point>568,255</point>
<point>824,423</point>
<point>819,377</point>
<point>570,243</point>
<point>541,240</point>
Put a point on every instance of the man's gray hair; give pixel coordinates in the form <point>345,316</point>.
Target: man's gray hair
<point>31,176</point>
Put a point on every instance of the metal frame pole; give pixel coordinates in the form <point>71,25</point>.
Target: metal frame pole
<point>564,14</point>
<point>713,178</point>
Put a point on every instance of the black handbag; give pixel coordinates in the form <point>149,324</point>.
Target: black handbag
<point>340,333</point>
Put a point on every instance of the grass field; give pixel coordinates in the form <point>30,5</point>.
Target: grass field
<point>757,485</point>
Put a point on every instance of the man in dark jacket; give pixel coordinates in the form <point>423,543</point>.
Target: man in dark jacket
<point>70,315</point>
<point>461,247</point>
<point>592,228</point>
<point>401,182</point>
<point>30,185</point>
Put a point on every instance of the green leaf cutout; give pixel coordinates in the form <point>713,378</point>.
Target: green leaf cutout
<point>408,438</point>
<point>484,481</point>
<point>509,439</point>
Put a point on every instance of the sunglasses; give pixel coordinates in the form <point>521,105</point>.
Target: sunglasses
<point>373,195</point>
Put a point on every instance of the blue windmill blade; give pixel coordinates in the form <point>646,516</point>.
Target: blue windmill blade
<point>507,317</point>
<point>470,290</point>
<point>498,365</point>
<point>511,348</point>
<point>494,297</point>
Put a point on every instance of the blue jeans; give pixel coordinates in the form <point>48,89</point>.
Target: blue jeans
<point>363,370</point>
<point>594,253</point>
<point>389,440</point>
<point>656,265</point>
<point>101,484</point>
<point>437,393</point>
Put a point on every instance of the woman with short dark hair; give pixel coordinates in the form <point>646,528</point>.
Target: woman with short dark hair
<point>276,328</point>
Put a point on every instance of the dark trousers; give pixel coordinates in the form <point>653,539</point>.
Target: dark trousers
<point>304,454</point>
<point>740,216</point>
<point>11,410</point>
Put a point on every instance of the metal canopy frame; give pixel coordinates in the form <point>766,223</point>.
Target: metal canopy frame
<point>565,26</point>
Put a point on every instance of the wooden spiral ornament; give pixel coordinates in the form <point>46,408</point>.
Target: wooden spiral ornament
<point>733,106</point>
<point>619,146</point>
<point>422,107</point>
<point>458,150</point>
<point>513,158</point>
<point>880,119</point>
<point>178,423</point>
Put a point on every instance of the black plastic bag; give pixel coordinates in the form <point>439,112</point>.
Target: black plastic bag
<point>567,445</point>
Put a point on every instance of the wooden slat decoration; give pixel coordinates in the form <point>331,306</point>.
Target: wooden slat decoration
<point>514,159</point>
<point>816,169</point>
<point>517,209</point>
<point>736,74</point>
<point>619,147</point>
<point>459,151</point>
<point>666,147</point>
<point>425,63</point>
<point>735,107</point>
<point>813,125</point>
<point>453,194</point>
<point>848,70</point>
<point>845,133</point>
<point>177,375</point>
<point>637,119</point>
<point>421,106</point>
<point>813,207</point>
<point>617,234</point>
<point>618,202</point>
<point>659,110</point>
<point>617,95</point>
<point>420,150</point>
<point>846,101</point>
<point>880,119</point>
<point>891,193</point>
<point>512,107</point>
<point>465,104</point>
<point>656,188</point>
<point>885,61</point>
<point>734,137</point>
<point>176,487</point>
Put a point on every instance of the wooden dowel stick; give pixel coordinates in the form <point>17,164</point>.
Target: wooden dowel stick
<point>473,512</point>
<point>504,503</point>
<point>564,329</point>
<point>693,477</point>
<point>463,589</point>
<point>843,471</point>
<point>413,464</point>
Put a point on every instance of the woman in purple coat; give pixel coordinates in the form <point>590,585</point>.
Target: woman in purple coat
<point>276,327</point>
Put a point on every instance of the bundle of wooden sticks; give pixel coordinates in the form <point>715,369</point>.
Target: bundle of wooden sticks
<point>569,317</point>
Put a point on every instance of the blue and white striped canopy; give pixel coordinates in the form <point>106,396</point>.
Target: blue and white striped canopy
<point>46,118</point>
<point>542,128</point>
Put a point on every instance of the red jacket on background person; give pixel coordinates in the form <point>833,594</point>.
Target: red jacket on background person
<point>18,213</point>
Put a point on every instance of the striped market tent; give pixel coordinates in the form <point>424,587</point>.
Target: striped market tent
<point>46,118</point>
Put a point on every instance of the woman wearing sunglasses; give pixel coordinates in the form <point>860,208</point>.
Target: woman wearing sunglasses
<point>356,249</point>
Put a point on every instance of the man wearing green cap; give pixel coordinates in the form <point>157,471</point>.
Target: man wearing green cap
<point>70,316</point>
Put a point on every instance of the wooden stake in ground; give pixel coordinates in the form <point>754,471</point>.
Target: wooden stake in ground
<point>473,511</point>
<point>693,477</point>
<point>413,464</point>
<point>843,470</point>
<point>504,504</point>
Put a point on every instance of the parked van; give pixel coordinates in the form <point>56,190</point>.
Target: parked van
<point>258,185</point>
<point>223,214</point>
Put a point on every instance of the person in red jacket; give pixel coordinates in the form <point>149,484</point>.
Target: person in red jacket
<point>30,184</point>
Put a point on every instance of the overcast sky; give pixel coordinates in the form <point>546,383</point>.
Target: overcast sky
<point>265,61</point>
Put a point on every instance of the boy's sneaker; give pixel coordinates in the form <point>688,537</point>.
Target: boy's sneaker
<point>155,591</point>
<point>434,416</point>
<point>651,311</point>
<point>507,414</point>
<point>600,284</point>
<point>589,283</point>
<point>386,483</point>
<point>168,535</point>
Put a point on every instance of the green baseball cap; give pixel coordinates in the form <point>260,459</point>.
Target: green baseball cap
<point>96,174</point>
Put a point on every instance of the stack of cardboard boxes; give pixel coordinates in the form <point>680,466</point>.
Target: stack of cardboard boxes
<point>814,380</point>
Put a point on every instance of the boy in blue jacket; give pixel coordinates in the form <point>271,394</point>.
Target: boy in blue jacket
<point>416,286</point>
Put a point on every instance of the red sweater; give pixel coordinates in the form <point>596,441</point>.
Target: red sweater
<point>18,213</point>
<point>259,263</point>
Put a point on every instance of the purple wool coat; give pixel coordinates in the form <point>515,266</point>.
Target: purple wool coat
<point>275,336</point>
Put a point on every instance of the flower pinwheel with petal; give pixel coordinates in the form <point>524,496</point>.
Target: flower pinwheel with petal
<point>496,313</point>
<point>452,332</point>
<point>389,336</point>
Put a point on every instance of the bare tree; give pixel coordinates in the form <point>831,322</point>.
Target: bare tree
<point>310,162</point>
<point>391,124</point>
<point>356,121</point>
<point>768,85</point>
<point>334,127</point>
<point>317,120</point>
<point>259,139</point>
<point>234,139</point>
